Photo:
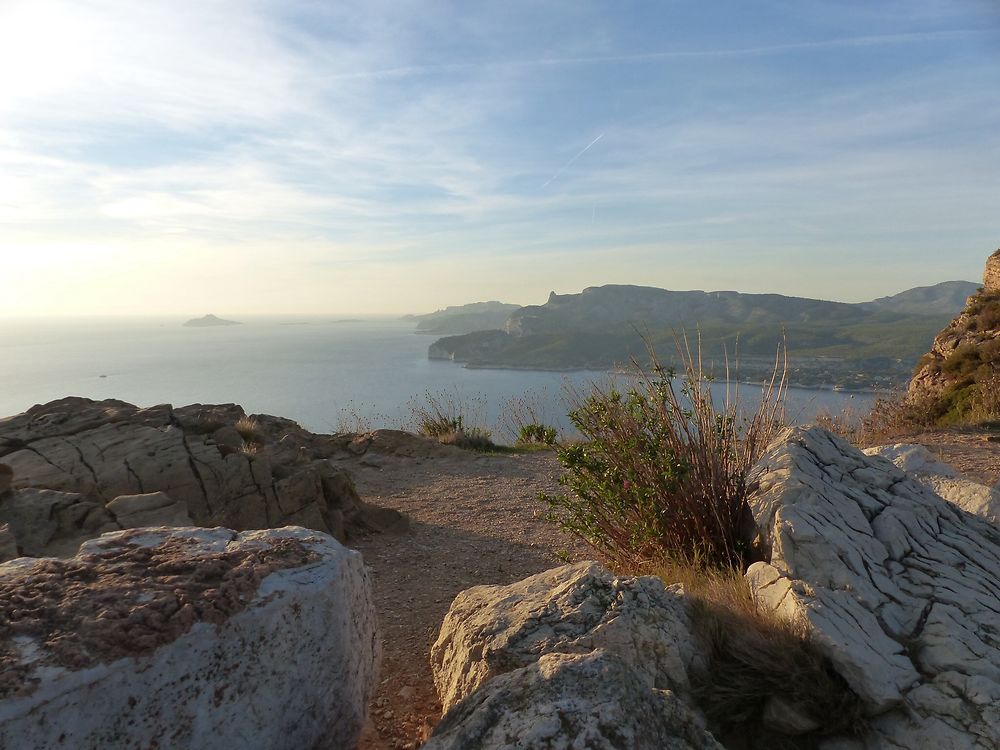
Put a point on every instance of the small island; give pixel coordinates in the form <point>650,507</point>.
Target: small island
<point>210,321</point>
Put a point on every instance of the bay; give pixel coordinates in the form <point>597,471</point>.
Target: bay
<point>326,374</point>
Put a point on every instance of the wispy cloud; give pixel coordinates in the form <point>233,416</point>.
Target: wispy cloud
<point>373,133</point>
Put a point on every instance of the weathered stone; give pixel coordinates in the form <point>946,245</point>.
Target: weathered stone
<point>8,544</point>
<point>6,477</point>
<point>899,587</point>
<point>103,450</point>
<point>574,609</point>
<point>564,701</point>
<point>991,274</point>
<point>945,480</point>
<point>150,509</point>
<point>36,517</point>
<point>189,638</point>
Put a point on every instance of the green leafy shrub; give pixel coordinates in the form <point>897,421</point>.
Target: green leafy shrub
<point>662,474</point>
<point>537,434</point>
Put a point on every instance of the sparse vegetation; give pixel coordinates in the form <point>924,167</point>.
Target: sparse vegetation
<point>662,474</point>
<point>248,429</point>
<point>537,434</point>
<point>759,661</point>
<point>446,419</point>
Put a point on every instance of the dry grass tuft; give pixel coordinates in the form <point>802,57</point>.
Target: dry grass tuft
<point>760,664</point>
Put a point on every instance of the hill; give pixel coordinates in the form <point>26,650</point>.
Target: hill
<point>860,345</point>
<point>476,316</point>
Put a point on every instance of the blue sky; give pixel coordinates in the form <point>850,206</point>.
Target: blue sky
<point>357,157</point>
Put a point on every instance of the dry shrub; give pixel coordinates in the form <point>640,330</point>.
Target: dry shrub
<point>661,472</point>
<point>247,428</point>
<point>448,418</point>
<point>758,662</point>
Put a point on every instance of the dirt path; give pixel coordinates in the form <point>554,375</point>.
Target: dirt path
<point>475,519</point>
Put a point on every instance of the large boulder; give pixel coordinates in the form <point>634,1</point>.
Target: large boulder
<point>899,587</point>
<point>565,701</point>
<point>188,638</point>
<point>218,466</point>
<point>924,466</point>
<point>571,657</point>
<point>574,609</point>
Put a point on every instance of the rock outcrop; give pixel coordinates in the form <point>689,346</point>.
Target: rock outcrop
<point>991,275</point>
<point>922,465</point>
<point>897,587</point>
<point>959,377</point>
<point>900,587</point>
<point>74,459</point>
<point>565,701</point>
<point>188,638</point>
<point>575,609</point>
<point>572,657</point>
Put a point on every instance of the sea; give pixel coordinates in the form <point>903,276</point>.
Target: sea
<point>329,375</point>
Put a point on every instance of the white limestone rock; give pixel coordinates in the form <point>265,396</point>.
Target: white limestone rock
<point>565,701</point>
<point>188,638</point>
<point>573,609</point>
<point>102,450</point>
<point>924,466</point>
<point>149,509</point>
<point>900,587</point>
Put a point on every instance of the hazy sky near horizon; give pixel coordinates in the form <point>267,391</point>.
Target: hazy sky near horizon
<point>269,156</point>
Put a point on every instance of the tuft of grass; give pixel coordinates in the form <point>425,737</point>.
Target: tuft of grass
<point>759,659</point>
<point>446,418</point>
<point>248,429</point>
<point>663,472</point>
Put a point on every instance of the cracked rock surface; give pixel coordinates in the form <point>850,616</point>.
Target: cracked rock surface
<point>901,588</point>
<point>943,479</point>
<point>68,461</point>
<point>571,657</point>
<point>188,638</point>
<point>576,608</point>
<point>567,701</point>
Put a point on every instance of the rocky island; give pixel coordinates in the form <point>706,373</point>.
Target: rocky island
<point>210,321</point>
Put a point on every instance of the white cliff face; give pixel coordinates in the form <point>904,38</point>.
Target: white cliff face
<point>901,587</point>
<point>198,638</point>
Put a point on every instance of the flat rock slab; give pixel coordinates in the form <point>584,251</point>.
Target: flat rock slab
<point>900,587</point>
<point>188,638</point>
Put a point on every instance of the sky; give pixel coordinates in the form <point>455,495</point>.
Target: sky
<point>182,157</point>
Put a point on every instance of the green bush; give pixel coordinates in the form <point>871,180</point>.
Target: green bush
<point>537,433</point>
<point>661,474</point>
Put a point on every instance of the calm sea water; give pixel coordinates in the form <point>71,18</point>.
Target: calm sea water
<point>324,374</point>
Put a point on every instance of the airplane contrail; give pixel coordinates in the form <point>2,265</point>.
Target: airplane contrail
<point>568,164</point>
